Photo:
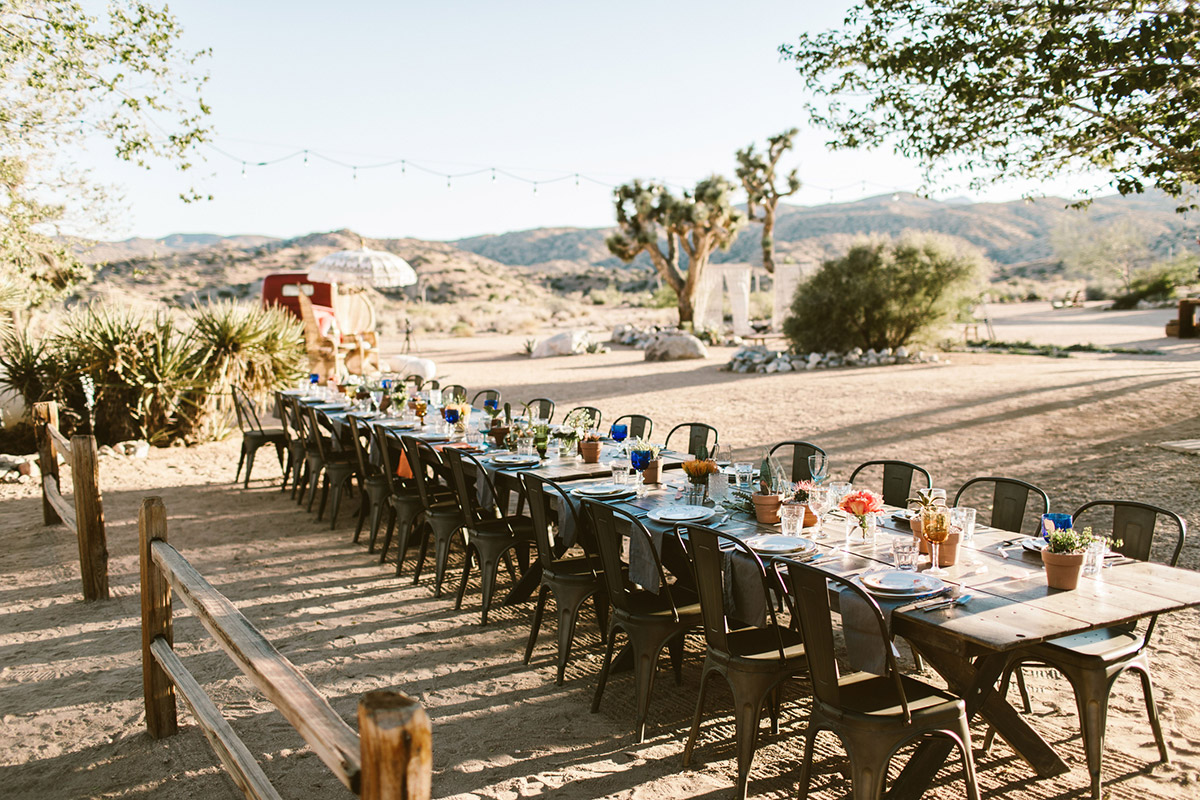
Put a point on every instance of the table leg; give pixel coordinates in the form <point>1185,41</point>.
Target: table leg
<point>975,683</point>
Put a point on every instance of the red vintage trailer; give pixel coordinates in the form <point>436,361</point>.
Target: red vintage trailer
<point>283,289</point>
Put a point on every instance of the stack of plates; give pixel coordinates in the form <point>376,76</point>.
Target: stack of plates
<point>514,460</point>
<point>774,544</point>
<point>1034,545</point>
<point>898,583</point>
<point>602,491</point>
<point>670,514</point>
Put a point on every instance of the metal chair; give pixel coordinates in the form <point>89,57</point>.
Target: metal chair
<point>572,579</point>
<point>441,514</point>
<point>335,463</point>
<point>897,479</point>
<point>453,390</point>
<point>405,508</point>
<point>1093,661</point>
<point>800,452</point>
<point>650,621</point>
<point>754,660</point>
<point>873,715</point>
<point>254,435</point>
<point>592,410</point>
<point>289,415</point>
<point>488,536</point>
<point>373,486</point>
<point>640,426</point>
<point>1010,500</point>
<point>541,408</point>
<point>698,434</point>
<point>486,394</point>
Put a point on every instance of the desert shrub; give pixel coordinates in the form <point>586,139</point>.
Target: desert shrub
<point>662,297</point>
<point>883,293</point>
<point>1156,284</point>
<point>462,329</point>
<point>762,305</point>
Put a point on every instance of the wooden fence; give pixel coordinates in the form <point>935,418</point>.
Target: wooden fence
<point>86,513</point>
<point>389,759</point>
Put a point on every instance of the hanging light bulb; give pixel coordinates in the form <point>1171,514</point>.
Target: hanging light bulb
<point>354,173</point>
<point>402,165</point>
<point>243,170</point>
<point>493,174</point>
<point>306,159</point>
<point>535,187</point>
<point>447,181</point>
<point>576,179</point>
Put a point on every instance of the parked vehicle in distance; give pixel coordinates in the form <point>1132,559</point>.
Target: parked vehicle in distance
<point>283,289</point>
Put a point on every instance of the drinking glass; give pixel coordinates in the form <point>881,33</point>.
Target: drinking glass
<point>745,475</point>
<point>963,518</point>
<point>904,554</point>
<point>377,399</point>
<point>1055,522</point>
<point>718,486</point>
<point>554,448</point>
<point>450,413</point>
<point>723,455</point>
<point>791,518</point>
<point>818,465</point>
<point>639,460</point>
<point>618,432</point>
<point>838,490</point>
<point>818,503</point>
<point>525,446</point>
<point>620,473</point>
<point>314,383</point>
<point>935,528</point>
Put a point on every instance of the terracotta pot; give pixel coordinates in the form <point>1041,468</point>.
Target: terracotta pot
<point>810,518</point>
<point>498,433</point>
<point>590,451</point>
<point>1062,569</point>
<point>947,550</point>
<point>766,507</point>
<point>652,471</point>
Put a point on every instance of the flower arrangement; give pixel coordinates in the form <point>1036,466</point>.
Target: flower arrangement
<point>1069,540</point>
<point>640,445</point>
<point>801,489</point>
<point>698,469</point>
<point>590,436</point>
<point>580,421</point>
<point>860,504</point>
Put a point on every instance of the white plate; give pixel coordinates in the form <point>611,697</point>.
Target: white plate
<point>778,544</point>
<point>514,460</point>
<point>1034,545</point>
<point>601,490</point>
<point>898,582</point>
<point>430,436</point>
<point>904,515</point>
<point>681,513</point>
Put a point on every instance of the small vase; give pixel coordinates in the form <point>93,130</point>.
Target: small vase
<point>590,452</point>
<point>766,507</point>
<point>1062,569</point>
<point>650,475</point>
<point>695,494</point>
<point>863,529</point>
<point>498,433</point>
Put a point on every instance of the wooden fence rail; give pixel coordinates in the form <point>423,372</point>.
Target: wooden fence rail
<point>85,511</point>
<point>389,759</point>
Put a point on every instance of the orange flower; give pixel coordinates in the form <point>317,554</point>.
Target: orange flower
<point>861,503</point>
<point>697,470</point>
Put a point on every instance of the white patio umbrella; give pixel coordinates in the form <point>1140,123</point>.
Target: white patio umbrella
<point>375,268</point>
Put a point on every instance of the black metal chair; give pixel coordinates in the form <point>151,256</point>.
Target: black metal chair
<point>373,486</point>
<point>254,435</point>
<point>541,408</point>
<point>754,660</point>
<point>289,414</point>
<point>592,410</point>
<point>486,394</point>
<point>336,464</point>
<point>488,536</point>
<point>640,426</point>
<point>1093,661</point>
<point>698,434</point>
<point>572,579</point>
<point>441,513</point>
<point>873,715</point>
<point>405,508</point>
<point>453,390</point>
<point>799,451</point>
<point>649,620</point>
<point>897,479</point>
<point>1010,501</point>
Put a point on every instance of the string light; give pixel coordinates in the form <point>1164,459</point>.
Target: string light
<point>243,170</point>
<point>356,173</point>
<point>493,174</point>
<point>306,159</point>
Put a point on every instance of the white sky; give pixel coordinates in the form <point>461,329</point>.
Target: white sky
<point>612,90</point>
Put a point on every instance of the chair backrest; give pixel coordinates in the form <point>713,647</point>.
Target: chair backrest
<point>421,460</point>
<point>1134,523</point>
<point>365,468</point>
<point>810,588</point>
<point>799,451</point>
<point>289,417</point>
<point>281,412</point>
<point>640,426</point>
<point>538,493</point>
<point>483,395</point>
<point>416,380</point>
<point>453,390</point>
<point>592,410</point>
<point>1010,501</point>
<point>243,408</point>
<point>897,479</point>
<point>708,567</point>
<point>390,449</point>
<point>319,429</point>
<point>541,408</point>
<point>698,435</point>
<point>610,538</point>
<point>468,506</point>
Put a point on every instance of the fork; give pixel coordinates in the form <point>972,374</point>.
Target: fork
<point>961,600</point>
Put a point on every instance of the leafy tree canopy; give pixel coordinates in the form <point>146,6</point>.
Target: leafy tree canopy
<point>67,76</point>
<point>1017,88</point>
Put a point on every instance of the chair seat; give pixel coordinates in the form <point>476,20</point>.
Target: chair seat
<point>651,606</point>
<point>574,570</point>
<point>266,435</point>
<point>875,696</point>
<point>762,644</point>
<point>1107,644</point>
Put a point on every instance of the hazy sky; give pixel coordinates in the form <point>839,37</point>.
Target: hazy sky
<point>611,90</point>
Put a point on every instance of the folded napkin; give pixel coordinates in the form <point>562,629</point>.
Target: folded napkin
<point>864,649</point>
<point>744,598</point>
<point>641,561</point>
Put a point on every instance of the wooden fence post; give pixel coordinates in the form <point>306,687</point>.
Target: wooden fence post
<point>89,518</point>
<point>46,414</point>
<point>157,686</point>
<point>396,742</point>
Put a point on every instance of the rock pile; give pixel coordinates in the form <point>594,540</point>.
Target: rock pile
<point>762,360</point>
<point>633,336</point>
<point>19,469</point>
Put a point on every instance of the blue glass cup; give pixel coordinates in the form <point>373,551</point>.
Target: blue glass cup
<point>452,415</point>
<point>619,432</point>
<point>1058,522</point>
<point>314,378</point>
<point>387,384</point>
<point>492,404</point>
<point>639,459</point>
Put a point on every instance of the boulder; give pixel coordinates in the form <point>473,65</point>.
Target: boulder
<point>675,347</point>
<point>567,343</point>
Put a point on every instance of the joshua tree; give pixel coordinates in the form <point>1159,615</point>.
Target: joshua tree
<point>757,173</point>
<point>698,223</point>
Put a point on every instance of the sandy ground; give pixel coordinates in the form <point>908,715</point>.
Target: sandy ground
<point>71,717</point>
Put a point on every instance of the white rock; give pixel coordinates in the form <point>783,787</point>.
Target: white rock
<point>784,365</point>
<point>414,365</point>
<point>814,358</point>
<point>675,347</point>
<point>567,343</point>
<point>772,367</point>
<point>902,352</point>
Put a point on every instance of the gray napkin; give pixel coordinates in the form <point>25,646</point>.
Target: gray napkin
<point>864,648</point>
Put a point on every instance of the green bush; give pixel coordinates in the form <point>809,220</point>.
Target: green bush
<point>1156,284</point>
<point>883,293</point>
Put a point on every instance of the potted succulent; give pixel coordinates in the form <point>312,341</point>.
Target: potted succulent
<point>498,428</point>
<point>590,446</point>
<point>800,495</point>
<point>697,470</point>
<point>767,499</point>
<point>643,457</point>
<point>1064,553</point>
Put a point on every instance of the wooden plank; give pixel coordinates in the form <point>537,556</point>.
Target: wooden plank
<point>397,747</point>
<point>238,761</point>
<point>60,441</point>
<point>89,515</point>
<point>157,688</point>
<point>64,511</point>
<point>1180,585</point>
<point>297,699</point>
<point>45,415</point>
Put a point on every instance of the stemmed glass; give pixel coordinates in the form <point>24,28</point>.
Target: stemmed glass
<point>818,467</point>
<point>935,528</point>
<point>639,460</point>
<point>619,432</point>
<point>376,398</point>
<point>819,502</point>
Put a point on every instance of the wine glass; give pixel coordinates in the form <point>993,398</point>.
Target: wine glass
<point>818,467</point>
<point>619,432</point>
<point>639,460</point>
<point>819,502</point>
<point>376,398</point>
<point>935,529</point>
<point>722,455</point>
